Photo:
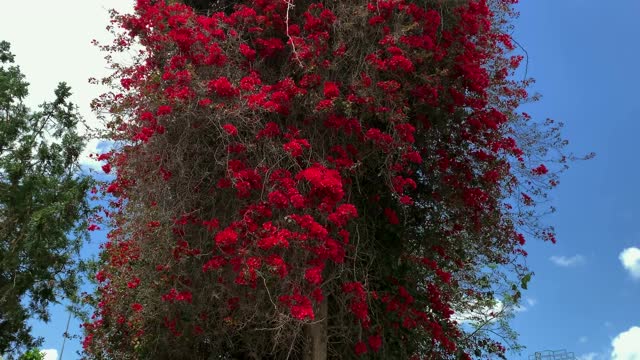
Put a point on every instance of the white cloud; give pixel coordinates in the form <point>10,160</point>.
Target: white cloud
<point>91,148</point>
<point>626,346</point>
<point>565,261</point>
<point>87,61</point>
<point>481,314</point>
<point>583,339</point>
<point>50,354</point>
<point>94,146</point>
<point>630,259</point>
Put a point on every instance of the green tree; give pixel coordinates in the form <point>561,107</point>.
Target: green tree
<point>42,204</point>
<point>32,354</point>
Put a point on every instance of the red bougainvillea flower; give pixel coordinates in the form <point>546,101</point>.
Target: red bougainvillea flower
<point>375,342</point>
<point>331,90</point>
<point>230,129</point>
<point>360,348</point>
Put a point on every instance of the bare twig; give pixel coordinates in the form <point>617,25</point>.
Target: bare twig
<point>290,5</point>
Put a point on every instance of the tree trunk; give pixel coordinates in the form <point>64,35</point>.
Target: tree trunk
<point>316,334</point>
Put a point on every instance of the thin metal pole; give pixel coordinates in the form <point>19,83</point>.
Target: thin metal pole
<point>64,336</point>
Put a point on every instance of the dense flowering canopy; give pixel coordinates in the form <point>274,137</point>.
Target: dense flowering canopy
<point>295,173</point>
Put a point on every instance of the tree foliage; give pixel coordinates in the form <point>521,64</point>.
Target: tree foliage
<point>32,354</point>
<point>42,204</point>
<point>313,179</point>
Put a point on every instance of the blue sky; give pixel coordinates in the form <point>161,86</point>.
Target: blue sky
<point>583,54</point>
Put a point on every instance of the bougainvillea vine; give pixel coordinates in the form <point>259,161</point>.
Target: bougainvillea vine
<point>315,179</point>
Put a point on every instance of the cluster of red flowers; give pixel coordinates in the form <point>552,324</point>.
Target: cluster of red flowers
<point>299,156</point>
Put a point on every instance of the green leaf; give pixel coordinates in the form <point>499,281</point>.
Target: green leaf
<point>525,281</point>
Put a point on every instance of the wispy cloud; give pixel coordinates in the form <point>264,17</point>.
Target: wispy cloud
<point>583,339</point>
<point>630,259</point>
<point>590,356</point>
<point>566,261</point>
<point>527,304</point>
